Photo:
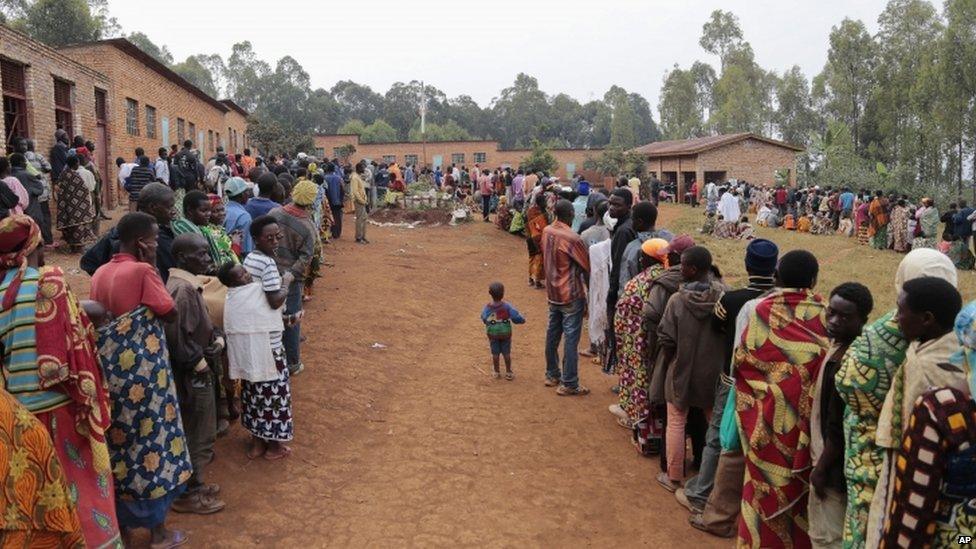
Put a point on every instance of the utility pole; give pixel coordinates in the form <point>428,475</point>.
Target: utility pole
<point>423,121</point>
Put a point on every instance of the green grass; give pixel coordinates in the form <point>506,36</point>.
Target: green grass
<point>841,259</point>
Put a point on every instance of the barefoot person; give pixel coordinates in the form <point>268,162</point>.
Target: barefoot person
<point>146,442</point>
<point>265,387</point>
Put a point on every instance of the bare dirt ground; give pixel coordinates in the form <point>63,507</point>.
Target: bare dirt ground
<point>414,444</point>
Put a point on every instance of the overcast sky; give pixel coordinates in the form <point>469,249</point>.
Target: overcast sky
<point>477,48</point>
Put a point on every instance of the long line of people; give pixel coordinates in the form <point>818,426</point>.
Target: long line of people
<point>194,320</point>
<point>810,424</point>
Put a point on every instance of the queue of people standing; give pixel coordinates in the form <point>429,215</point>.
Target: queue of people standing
<point>112,405</point>
<point>884,221</point>
<point>810,424</point>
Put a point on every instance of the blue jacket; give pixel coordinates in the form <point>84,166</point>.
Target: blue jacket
<point>963,226</point>
<point>335,191</point>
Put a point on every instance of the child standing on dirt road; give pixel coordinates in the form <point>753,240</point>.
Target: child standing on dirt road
<point>498,317</point>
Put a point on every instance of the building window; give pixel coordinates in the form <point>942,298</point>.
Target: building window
<point>336,152</point>
<point>101,114</point>
<point>389,158</point>
<point>410,159</point>
<point>193,134</point>
<point>480,158</point>
<point>180,131</point>
<point>220,143</point>
<point>131,116</point>
<point>14,99</point>
<point>457,158</point>
<point>150,122</point>
<point>210,140</point>
<point>62,106</point>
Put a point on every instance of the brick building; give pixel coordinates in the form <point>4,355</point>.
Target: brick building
<point>742,156</point>
<point>45,90</point>
<point>151,106</point>
<point>463,153</point>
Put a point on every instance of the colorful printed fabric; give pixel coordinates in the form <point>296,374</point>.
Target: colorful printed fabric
<point>67,360</point>
<point>266,406</point>
<point>863,381</point>
<point>184,226</point>
<point>224,245</point>
<point>776,366</point>
<point>632,350</point>
<point>75,209</point>
<point>933,499</point>
<point>148,449</point>
<point>899,229</point>
<point>36,509</point>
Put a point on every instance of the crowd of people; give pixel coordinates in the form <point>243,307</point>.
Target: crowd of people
<point>810,424</point>
<point>112,405</point>
<point>882,221</point>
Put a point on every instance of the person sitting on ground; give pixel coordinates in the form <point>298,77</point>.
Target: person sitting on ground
<point>265,387</point>
<point>708,227</point>
<point>686,341</point>
<point>745,230</point>
<point>764,215</point>
<point>803,224</point>
<point>789,222</point>
<point>498,317</point>
<point>846,225</point>
<point>193,347</point>
<point>725,228</point>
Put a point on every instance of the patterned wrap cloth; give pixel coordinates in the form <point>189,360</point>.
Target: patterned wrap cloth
<point>776,366</point>
<point>150,458</point>
<point>50,367</point>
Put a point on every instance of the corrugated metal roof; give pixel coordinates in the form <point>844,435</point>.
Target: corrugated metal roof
<point>700,144</point>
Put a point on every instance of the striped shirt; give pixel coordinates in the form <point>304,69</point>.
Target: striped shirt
<point>264,268</point>
<point>566,262</point>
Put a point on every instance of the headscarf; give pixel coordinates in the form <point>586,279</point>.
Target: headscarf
<point>83,152</point>
<point>966,332</point>
<point>925,262</point>
<point>214,199</point>
<point>313,168</point>
<point>303,194</point>
<point>656,248</point>
<point>19,237</point>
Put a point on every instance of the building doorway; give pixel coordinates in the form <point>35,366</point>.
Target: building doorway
<point>101,147</point>
<point>14,100</point>
<point>715,177</point>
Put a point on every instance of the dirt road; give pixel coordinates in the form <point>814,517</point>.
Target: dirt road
<point>414,444</point>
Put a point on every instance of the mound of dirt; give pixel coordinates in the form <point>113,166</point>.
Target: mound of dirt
<point>399,215</point>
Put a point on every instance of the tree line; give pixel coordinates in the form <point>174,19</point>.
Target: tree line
<point>893,109</point>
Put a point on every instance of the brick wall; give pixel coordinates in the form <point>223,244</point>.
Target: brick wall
<point>235,122</point>
<point>42,66</point>
<point>131,78</point>
<point>752,160</point>
<point>493,157</point>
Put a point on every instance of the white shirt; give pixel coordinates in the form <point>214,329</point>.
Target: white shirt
<point>88,178</point>
<point>728,207</point>
<point>125,170</point>
<point>162,170</point>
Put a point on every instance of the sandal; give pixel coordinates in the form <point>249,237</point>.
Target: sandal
<point>579,390</point>
<point>174,538</point>
<point>509,376</point>
<point>496,374</point>
<point>551,382</point>
<point>665,481</point>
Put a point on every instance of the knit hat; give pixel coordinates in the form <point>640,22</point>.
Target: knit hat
<point>584,188</point>
<point>761,257</point>
<point>304,192</point>
<point>680,243</point>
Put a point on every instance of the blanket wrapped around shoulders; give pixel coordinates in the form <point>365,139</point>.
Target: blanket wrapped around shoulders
<point>248,321</point>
